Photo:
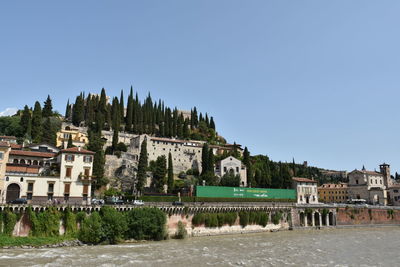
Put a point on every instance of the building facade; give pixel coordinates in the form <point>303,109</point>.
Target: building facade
<point>369,185</point>
<point>333,193</point>
<point>186,154</point>
<point>231,165</point>
<point>43,177</point>
<point>307,190</point>
<point>79,137</point>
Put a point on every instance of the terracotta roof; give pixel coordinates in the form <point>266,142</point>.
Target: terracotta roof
<point>303,180</point>
<point>32,154</point>
<point>15,146</point>
<point>22,169</point>
<point>8,137</point>
<point>77,150</point>
<point>4,144</point>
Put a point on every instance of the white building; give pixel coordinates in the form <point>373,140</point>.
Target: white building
<point>186,154</point>
<point>307,190</point>
<point>231,165</point>
<point>370,185</point>
<point>64,177</point>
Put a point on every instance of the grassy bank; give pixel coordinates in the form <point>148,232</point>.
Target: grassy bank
<point>7,241</point>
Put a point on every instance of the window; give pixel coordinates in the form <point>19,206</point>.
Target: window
<point>237,169</point>
<point>51,188</point>
<point>69,157</point>
<point>50,196</point>
<point>381,181</point>
<point>30,187</point>
<point>224,169</point>
<point>85,190</point>
<point>1,155</point>
<point>356,181</point>
<point>68,172</point>
<point>87,159</point>
<point>21,179</point>
<point>7,178</point>
<point>29,196</point>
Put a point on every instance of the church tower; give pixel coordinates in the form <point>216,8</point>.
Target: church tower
<point>385,170</point>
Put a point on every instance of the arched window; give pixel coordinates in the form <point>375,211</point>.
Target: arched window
<point>15,161</point>
<point>22,161</point>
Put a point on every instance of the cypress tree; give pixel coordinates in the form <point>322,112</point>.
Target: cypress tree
<point>212,123</point>
<point>47,108</point>
<point>49,133</point>
<point>68,111</point>
<point>70,143</point>
<point>204,159</point>
<point>37,130</point>
<point>121,107</point>
<point>129,112</point>
<point>170,174</point>
<point>78,112</point>
<point>159,173</point>
<point>186,133</point>
<point>211,161</point>
<point>26,122</point>
<point>96,145</point>
<point>142,167</point>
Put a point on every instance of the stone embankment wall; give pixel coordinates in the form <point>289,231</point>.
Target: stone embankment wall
<point>236,228</point>
<point>367,216</point>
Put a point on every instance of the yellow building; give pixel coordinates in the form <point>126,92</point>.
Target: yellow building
<point>333,193</point>
<point>79,139</point>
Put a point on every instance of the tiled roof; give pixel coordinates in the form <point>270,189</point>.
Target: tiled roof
<point>22,169</point>
<point>77,150</point>
<point>303,180</point>
<point>368,172</point>
<point>4,144</point>
<point>15,146</point>
<point>8,137</point>
<point>32,154</point>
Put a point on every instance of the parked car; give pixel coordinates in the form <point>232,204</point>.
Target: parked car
<point>96,201</point>
<point>18,201</point>
<point>138,202</point>
<point>114,201</point>
<point>177,203</point>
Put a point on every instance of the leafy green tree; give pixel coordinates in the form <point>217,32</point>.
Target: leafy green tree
<point>47,108</point>
<point>170,174</point>
<point>146,224</point>
<point>142,167</point>
<point>37,130</point>
<point>113,225</point>
<point>159,174</point>
<point>91,231</point>
<point>230,179</point>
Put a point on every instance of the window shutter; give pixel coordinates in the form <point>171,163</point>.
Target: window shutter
<point>73,157</point>
<point>85,189</point>
<point>66,157</point>
<point>66,188</point>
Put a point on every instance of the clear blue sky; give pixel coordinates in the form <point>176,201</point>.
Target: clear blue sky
<point>314,80</point>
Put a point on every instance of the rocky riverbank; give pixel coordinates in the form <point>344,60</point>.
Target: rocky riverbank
<point>66,243</point>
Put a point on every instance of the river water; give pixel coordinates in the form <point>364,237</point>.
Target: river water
<point>330,247</point>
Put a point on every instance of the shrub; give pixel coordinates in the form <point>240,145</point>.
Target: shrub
<point>9,221</point>
<point>263,219</point>
<point>46,223</point>
<point>181,232</point>
<point>81,216</point>
<point>198,219</point>
<point>276,217</point>
<point>244,218</point>
<point>113,225</point>
<point>230,218</point>
<point>91,229</point>
<point>70,222</point>
<point>146,224</point>
<point>122,147</point>
<point>211,220</point>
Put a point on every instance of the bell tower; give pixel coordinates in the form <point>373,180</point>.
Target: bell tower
<point>385,170</point>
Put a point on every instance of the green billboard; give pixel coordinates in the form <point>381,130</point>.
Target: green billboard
<point>244,192</point>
